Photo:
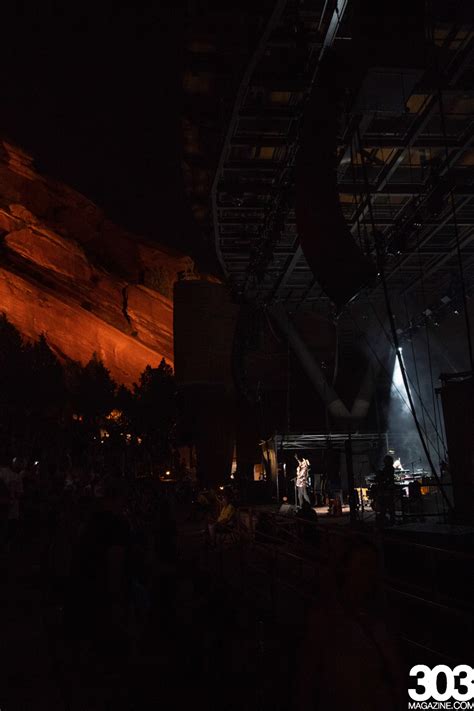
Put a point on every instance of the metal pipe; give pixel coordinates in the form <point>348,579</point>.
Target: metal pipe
<point>327,393</point>
<point>361,405</point>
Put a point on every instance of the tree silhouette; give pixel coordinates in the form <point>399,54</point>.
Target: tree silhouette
<point>13,383</point>
<point>46,380</point>
<point>63,408</point>
<point>155,410</point>
<point>95,391</point>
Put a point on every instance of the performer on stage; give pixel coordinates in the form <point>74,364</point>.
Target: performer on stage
<point>302,480</point>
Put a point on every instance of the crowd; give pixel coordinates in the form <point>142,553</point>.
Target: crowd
<point>108,553</point>
<point>109,558</point>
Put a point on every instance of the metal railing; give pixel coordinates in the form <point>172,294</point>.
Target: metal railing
<point>282,567</point>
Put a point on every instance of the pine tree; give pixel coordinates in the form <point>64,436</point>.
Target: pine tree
<point>155,410</point>
<point>96,390</point>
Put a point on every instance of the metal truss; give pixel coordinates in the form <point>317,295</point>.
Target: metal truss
<point>408,158</point>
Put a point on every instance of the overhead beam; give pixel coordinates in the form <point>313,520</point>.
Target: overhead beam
<point>425,240</point>
<point>284,278</point>
<point>260,138</point>
<point>419,125</point>
<point>270,26</point>
<point>467,239</point>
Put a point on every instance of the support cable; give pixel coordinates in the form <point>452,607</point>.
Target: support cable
<point>442,115</point>
<point>412,384</point>
<point>457,240</point>
<point>388,305</point>
<point>433,420</point>
<point>443,436</point>
<point>428,344</point>
<point>415,366</point>
<point>385,370</point>
<point>395,341</point>
<point>288,361</point>
<point>405,379</point>
<point>356,200</point>
<point>413,352</point>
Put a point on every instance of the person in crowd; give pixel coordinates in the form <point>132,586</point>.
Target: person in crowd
<point>12,476</point>
<point>302,480</point>
<point>4,509</point>
<point>165,531</point>
<point>444,471</point>
<point>307,513</point>
<point>99,591</point>
<point>208,505</point>
<point>385,493</point>
<point>30,513</point>
<point>165,548</point>
<point>226,516</point>
<point>366,673</point>
<point>308,517</point>
<point>415,499</point>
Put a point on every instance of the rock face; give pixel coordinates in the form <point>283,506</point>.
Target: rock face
<point>69,273</point>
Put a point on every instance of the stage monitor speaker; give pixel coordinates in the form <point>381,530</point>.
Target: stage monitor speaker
<point>287,510</point>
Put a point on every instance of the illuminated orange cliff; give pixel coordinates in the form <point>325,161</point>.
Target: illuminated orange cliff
<point>68,272</point>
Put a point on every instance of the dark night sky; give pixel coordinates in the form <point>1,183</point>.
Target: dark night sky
<point>95,95</point>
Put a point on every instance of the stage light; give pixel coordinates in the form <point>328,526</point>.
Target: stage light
<point>397,391</point>
<point>168,473</point>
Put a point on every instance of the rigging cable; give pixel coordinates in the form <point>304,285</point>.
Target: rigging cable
<point>433,420</point>
<point>356,200</point>
<point>412,384</point>
<point>457,240</point>
<point>418,389</point>
<point>442,115</point>
<point>395,335</point>
<point>288,364</point>
<point>410,164</point>
<point>428,344</point>
<point>384,368</point>
<point>415,366</point>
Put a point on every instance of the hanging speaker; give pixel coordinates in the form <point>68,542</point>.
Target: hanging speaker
<point>335,259</point>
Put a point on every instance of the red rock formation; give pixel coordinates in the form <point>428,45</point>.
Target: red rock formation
<point>71,274</point>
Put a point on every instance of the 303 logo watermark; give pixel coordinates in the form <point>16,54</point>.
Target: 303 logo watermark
<point>442,687</point>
